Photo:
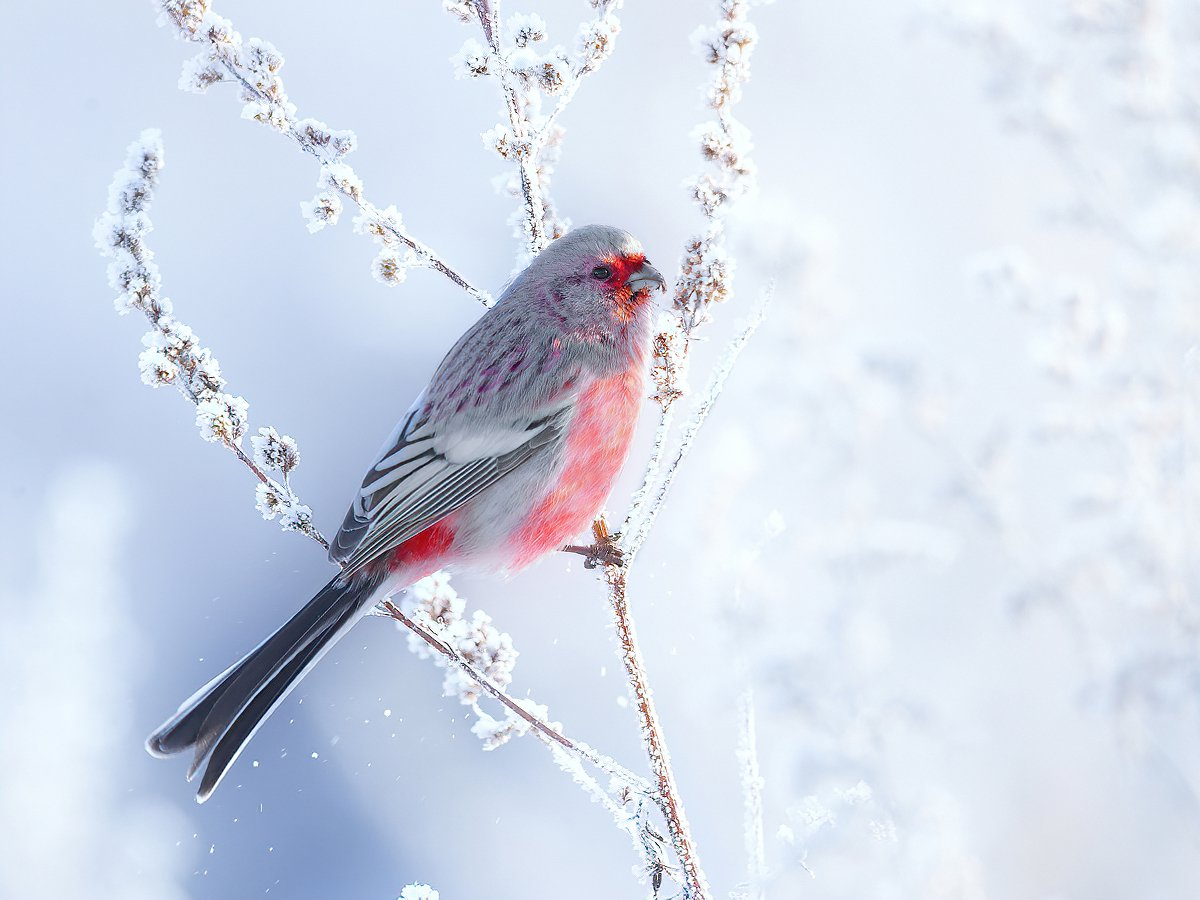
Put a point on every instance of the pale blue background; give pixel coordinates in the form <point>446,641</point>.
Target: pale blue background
<point>137,566</point>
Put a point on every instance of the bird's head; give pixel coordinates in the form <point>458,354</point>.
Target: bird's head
<point>594,278</point>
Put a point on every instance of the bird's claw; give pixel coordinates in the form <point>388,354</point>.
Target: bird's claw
<point>604,552</point>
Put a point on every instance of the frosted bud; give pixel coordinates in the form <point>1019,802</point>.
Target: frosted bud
<point>222,418</point>
<point>471,61</point>
<point>500,140</point>
<point>524,29</point>
<point>156,367</point>
<point>322,210</point>
<point>200,73</point>
<point>273,450</point>
<point>594,40</point>
<point>389,268</point>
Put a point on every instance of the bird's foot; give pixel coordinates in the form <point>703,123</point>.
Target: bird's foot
<point>604,552</point>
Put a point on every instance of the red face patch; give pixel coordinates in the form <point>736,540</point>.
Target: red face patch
<point>622,268</point>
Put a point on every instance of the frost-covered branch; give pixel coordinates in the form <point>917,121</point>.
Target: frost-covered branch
<point>725,144</point>
<point>479,658</point>
<point>649,500</point>
<point>752,799</point>
<point>531,139</point>
<point>173,354</point>
<point>704,279</point>
<point>694,883</point>
<point>254,65</point>
<point>706,271</point>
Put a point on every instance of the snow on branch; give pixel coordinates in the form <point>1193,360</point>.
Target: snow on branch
<point>725,144</point>
<point>531,138</point>
<point>752,799</point>
<point>173,354</point>
<point>254,65</point>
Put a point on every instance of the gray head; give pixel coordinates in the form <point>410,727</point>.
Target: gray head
<point>595,278</point>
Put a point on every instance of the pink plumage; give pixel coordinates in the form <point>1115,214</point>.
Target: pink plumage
<point>507,454</point>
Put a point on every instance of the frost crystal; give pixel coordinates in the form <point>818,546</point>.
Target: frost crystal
<point>274,451</point>
<point>595,40</point>
<point>222,419</point>
<point>418,892</point>
<point>200,73</point>
<point>322,210</point>
<point>524,29</point>
<point>272,499</point>
<point>389,268</point>
<point>499,139</point>
<point>156,367</point>
<point>471,61</point>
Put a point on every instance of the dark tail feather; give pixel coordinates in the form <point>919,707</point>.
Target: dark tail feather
<point>224,714</point>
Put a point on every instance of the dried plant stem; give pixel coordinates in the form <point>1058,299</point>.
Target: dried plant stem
<point>426,253</point>
<point>528,143</point>
<point>663,778</point>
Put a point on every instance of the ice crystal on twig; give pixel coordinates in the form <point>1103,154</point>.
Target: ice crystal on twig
<point>752,798</point>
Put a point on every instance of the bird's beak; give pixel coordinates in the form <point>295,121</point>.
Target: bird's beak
<point>645,278</point>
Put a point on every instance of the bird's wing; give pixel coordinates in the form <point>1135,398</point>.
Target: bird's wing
<point>427,471</point>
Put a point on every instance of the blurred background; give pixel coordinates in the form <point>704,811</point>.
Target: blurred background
<point>974,409</point>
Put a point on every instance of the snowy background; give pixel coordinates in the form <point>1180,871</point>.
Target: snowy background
<point>975,407</point>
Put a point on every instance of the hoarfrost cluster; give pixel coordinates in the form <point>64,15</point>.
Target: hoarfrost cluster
<point>725,144</point>
<point>531,137</point>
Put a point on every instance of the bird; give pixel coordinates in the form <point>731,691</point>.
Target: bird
<point>510,451</point>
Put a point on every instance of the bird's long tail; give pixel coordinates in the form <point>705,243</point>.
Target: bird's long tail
<point>222,716</point>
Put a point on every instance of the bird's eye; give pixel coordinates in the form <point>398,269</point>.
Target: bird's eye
<point>602,273</point>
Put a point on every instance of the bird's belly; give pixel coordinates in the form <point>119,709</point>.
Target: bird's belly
<point>596,445</point>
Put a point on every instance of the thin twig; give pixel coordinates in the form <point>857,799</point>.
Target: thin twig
<point>478,677</point>
<point>527,143</point>
<point>695,885</point>
<point>645,511</point>
<point>752,798</point>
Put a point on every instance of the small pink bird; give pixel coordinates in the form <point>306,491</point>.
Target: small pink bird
<point>508,453</point>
